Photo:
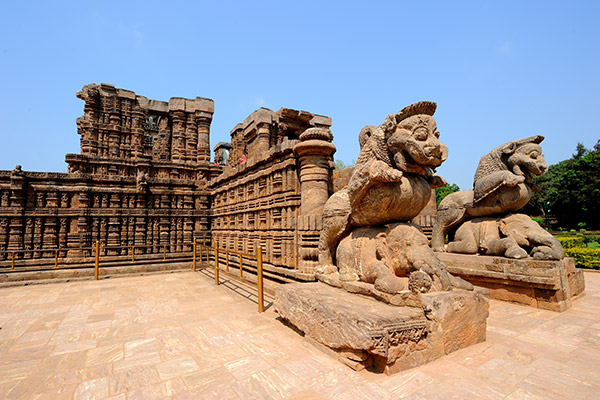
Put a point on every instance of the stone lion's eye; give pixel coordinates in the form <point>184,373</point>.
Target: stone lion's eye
<point>421,134</point>
<point>437,134</point>
<point>534,154</point>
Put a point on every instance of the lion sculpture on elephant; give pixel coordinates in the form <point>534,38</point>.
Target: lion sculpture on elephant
<point>503,184</point>
<point>391,182</point>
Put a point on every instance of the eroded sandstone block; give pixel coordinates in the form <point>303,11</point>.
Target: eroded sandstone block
<point>366,333</point>
<point>546,284</point>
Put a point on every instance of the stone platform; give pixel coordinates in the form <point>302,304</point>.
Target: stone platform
<point>549,285</point>
<point>366,333</point>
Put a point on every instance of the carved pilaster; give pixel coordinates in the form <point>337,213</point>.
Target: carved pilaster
<point>203,143</point>
<point>178,136</point>
<point>261,148</point>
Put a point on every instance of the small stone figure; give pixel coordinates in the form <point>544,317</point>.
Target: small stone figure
<point>17,171</point>
<point>141,181</point>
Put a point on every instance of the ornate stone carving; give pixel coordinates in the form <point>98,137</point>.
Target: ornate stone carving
<point>392,179</point>
<point>152,122</point>
<point>503,184</point>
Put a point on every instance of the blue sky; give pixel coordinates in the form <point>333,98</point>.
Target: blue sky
<point>499,70</point>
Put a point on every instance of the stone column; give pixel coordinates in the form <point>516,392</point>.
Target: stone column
<point>17,204</point>
<point>178,141</point>
<point>137,132</point>
<point>314,151</point>
<point>203,142</point>
<point>83,236</point>
<point>261,149</point>
<point>204,110</point>
<point>191,135</point>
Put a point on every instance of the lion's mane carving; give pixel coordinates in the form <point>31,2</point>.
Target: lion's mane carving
<point>392,179</point>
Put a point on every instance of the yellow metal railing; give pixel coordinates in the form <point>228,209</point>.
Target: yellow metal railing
<point>96,252</point>
<point>98,248</point>
<point>258,256</point>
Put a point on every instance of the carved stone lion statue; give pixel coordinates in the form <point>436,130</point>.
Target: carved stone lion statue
<point>502,184</point>
<point>392,179</point>
<point>391,256</point>
<point>507,236</point>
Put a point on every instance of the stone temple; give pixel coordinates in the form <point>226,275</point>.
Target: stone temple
<point>353,244</point>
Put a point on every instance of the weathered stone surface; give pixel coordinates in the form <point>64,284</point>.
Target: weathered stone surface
<point>545,284</point>
<point>139,180</point>
<point>368,333</point>
<point>391,181</point>
<point>503,183</point>
<point>512,236</point>
<point>275,197</point>
<point>394,258</point>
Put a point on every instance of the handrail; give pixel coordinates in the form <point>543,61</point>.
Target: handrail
<point>94,249</point>
<point>259,267</point>
<point>98,246</point>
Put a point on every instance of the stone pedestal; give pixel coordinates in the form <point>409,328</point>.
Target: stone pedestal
<point>549,285</point>
<point>366,333</point>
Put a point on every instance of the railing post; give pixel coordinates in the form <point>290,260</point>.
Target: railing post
<point>55,258</point>
<point>164,252</point>
<point>12,264</point>
<point>227,260</point>
<point>216,263</point>
<point>241,269</point>
<point>194,256</point>
<point>133,254</point>
<point>97,260</point>
<point>259,273</point>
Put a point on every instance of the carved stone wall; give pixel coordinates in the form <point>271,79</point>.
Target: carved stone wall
<point>140,180</point>
<point>259,201</point>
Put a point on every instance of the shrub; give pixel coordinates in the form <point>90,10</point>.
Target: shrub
<point>591,238</point>
<point>584,257</point>
<point>593,245</point>
<point>539,220</point>
<point>569,242</point>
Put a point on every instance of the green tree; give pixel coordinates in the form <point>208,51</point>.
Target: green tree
<point>570,190</point>
<point>444,191</point>
<point>340,164</point>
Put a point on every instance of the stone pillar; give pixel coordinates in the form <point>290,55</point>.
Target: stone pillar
<point>203,143</point>
<point>314,151</point>
<point>191,141</point>
<point>261,148</point>
<point>17,203</point>
<point>137,132</point>
<point>204,110</point>
<point>83,237</point>
<point>178,141</point>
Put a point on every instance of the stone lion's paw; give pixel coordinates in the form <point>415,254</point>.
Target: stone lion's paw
<point>514,180</point>
<point>326,269</point>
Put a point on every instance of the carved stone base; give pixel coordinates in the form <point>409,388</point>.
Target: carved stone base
<point>549,285</point>
<point>366,333</point>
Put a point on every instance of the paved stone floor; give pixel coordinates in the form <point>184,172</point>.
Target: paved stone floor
<point>178,336</point>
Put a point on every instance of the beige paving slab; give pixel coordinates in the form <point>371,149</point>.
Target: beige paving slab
<point>179,336</point>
